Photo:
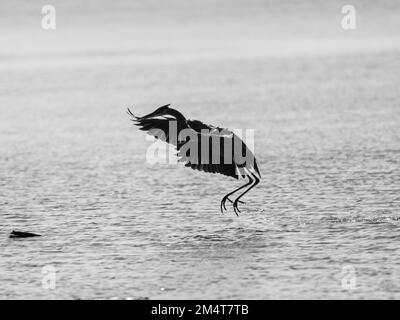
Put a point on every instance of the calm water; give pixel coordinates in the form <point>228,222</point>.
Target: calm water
<point>73,168</point>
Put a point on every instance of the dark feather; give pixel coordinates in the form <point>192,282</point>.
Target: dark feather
<point>156,122</point>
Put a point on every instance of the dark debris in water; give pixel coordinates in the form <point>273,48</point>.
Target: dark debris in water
<point>21,234</point>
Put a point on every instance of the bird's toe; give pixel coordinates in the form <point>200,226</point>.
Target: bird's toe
<point>240,201</point>
<point>235,208</point>
<point>223,205</point>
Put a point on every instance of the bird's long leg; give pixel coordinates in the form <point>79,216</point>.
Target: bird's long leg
<point>230,193</point>
<point>235,204</point>
<point>226,197</point>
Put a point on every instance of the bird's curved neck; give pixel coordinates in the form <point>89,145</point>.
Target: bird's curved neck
<point>181,120</point>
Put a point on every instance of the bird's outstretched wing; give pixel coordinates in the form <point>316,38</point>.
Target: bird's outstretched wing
<point>210,155</point>
<point>200,126</point>
<point>157,124</point>
<point>227,136</point>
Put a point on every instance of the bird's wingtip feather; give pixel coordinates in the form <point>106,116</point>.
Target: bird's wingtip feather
<point>130,113</point>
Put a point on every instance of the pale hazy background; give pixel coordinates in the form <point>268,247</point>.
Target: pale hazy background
<point>324,103</point>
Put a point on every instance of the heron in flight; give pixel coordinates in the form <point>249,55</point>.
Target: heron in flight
<point>203,147</point>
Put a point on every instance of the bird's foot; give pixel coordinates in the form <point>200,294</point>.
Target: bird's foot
<point>242,202</point>
<point>235,207</point>
<point>224,201</point>
<point>223,207</point>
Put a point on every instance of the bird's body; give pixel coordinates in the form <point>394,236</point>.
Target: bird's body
<point>203,147</point>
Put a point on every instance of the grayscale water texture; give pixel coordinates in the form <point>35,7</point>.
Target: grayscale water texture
<point>325,107</point>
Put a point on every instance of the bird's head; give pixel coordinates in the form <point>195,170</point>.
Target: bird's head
<point>165,113</point>
<point>161,111</point>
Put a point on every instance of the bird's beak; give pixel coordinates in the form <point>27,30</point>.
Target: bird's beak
<point>136,118</point>
<point>159,112</point>
<point>152,115</point>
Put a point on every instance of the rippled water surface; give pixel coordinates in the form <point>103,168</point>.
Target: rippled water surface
<point>73,168</point>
